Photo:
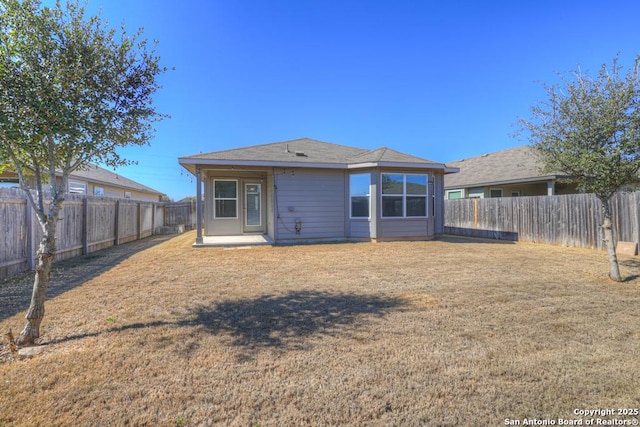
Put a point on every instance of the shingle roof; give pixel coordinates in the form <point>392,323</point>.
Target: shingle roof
<point>100,175</point>
<point>519,164</point>
<point>97,174</point>
<point>309,151</point>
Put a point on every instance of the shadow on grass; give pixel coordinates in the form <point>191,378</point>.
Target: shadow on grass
<point>274,321</point>
<point>285,321</point>
<point>15,292</point>
<point>461,238</point>
<point>633,264</point>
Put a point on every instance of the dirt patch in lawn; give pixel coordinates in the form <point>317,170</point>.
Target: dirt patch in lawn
<point>449,332</point>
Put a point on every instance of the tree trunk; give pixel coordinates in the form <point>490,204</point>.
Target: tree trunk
<point>45,255</point>
<point>607,229</point>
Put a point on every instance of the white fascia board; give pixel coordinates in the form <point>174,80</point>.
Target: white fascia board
<point>362,165</point>
<point>401,165</point>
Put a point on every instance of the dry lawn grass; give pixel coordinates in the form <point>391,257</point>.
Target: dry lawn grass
<point>449,332</point>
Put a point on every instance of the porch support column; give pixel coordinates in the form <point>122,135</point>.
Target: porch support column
<point>551,188</point>
<point>198,206</point>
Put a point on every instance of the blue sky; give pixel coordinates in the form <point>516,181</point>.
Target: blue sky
<point>443,80</point>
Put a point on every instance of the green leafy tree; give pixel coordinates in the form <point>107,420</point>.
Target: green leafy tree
<point>589,128</point>
<point>71,92</point>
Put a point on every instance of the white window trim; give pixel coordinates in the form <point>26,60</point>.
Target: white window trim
<point>363,218</point>
<point>225,198</point>
<point>404,196</point>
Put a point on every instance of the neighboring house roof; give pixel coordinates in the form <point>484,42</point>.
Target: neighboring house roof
<point>99,175</point>
<point>306,152</point>
<point>514,165</point>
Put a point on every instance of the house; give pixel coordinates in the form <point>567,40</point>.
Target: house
<point>508,173</point>
<point>306,190</point>
<point>97,181</point>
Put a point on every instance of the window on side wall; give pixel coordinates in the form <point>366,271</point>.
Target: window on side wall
<point>404,195</point>
<point>496,192</point>
<point>225,198</point>
<point>360,194</point>
<point>453,195</point>
<point>77,187</point>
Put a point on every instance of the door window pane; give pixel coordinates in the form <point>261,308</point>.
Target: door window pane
<point>253,204</point>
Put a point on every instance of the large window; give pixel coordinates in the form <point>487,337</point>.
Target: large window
<point>404,195</point>
<point>359,189</point>
<point>225,198</point>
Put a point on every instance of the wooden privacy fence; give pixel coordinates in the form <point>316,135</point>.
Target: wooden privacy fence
<point>570,220</point>
<point>87,224</point>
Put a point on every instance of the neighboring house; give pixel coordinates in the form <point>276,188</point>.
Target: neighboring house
<point>508,173</point>
<point>97,181</point>
<point>306,190</point>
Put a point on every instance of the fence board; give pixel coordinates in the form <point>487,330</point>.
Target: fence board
<point>180,214</point>
<point>87,224</point>
<point>13,232</point>
<point>570,220</point>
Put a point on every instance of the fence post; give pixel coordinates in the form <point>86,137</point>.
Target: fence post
<point>475,213</point>
<point>116,240</point>
<point>85,225</point>
<point>139,220</point>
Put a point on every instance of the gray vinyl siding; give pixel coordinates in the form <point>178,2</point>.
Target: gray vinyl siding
<point>360,228</point>
<point>316,198</point>
<point>406,227</point>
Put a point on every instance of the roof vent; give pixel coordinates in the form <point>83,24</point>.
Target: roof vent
<point>300,154</point>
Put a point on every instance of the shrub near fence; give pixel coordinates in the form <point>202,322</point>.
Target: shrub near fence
<point>87,224</point>
<point>570,220</point>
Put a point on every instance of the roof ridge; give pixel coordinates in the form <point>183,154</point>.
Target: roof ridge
<point>383,151</point>
<point>370,152</point>
<point>266,144</point>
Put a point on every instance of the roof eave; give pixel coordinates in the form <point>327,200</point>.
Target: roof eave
<point>191,163</point>
<point>509,182</point>
<point>185,162</point>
